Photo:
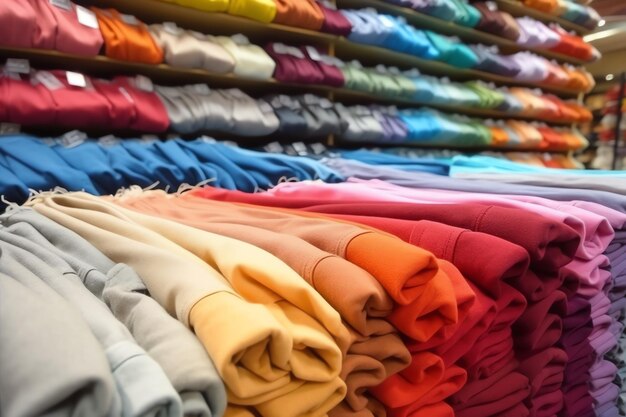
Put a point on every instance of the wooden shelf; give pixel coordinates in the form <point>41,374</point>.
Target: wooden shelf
<point>518,9</point>
<point>166,75</point>
<point>469,35</point>
<point>153,11</point>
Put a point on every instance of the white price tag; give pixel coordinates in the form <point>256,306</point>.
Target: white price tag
<point>48,80</point>
<point>202,89</point>
<point>292,50</point>
<point>170,27</point>
<point>9,128</point>
<point>240,39</point>
<point>63,4</point>
<point>129,19</point>
<point>207,139</point>
<point>144,83</point>
<point>300,148</point>
<point>313,53</point>
<point>108,140</point>
<point>76,79</point>
<point>20,66</point>
<point>325,103</point>
<point>73,138</point>
<point>86,17</point>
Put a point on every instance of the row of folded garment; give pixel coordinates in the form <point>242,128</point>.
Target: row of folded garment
<point>307,65</point>
<point>569,10</point>
<point>108,164</point>
<point>49,99</point>
<point>483,16</point>
<point>126,38</point>
<point>394,33</point>
<point>448,303</point>
<point>545,160</point>
<point>525,31</point>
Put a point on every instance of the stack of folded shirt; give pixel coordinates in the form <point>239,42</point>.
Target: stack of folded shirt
<point>62,26</point>
<point>306,116</point>
<point>126,38</point>
<point>525,31</point>
<point>62,98</point>
<point>568,10</point>
<point>196,108</point>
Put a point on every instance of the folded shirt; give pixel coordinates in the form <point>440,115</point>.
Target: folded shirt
<point>250,61</point>
<point>126,38</point>
<point>73,360</point>
<point>187,49</point>
<point>260,10</point>
<point>299,13</point>
<point>26,251</point>
<point>195,298</point>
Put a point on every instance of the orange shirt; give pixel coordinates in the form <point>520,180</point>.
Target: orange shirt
<point>126,38</point>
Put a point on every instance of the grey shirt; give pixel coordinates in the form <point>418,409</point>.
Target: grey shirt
<point>174,347</point>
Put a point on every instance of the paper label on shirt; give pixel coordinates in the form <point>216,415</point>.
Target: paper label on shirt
<point>311,99</point>
<point>129,19</point>
<point>207,139</point>
<point>48,80</point>
<point>293,51</point>
<point>300,148</point>
<point>202,89</point>
<point>172,28</point>
<point>108,140</point>
<point>240,39</point>
<point>76,79</point>
<point>313,53</point>
<point>9,128</point>
<point>19,66</point>
<point>86,17</point>
<point>63,4</point>
<point>318,148</point>
<point>73,138</point>
<point>144,83</point>
<point>273,147</point>
<point>325,103</point>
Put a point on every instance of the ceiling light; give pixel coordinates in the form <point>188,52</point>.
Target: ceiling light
<point>610,77</point>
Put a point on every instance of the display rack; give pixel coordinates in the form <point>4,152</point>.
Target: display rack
<point>466,34</point>
<point>155,11</point>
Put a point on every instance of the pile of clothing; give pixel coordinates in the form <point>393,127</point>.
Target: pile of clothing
<point>456,297</point>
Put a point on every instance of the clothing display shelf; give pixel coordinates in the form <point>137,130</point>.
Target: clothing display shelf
<point>517,9</point>
<point>154,11</point>
<point>466,34</point>
<point>166,75</point>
